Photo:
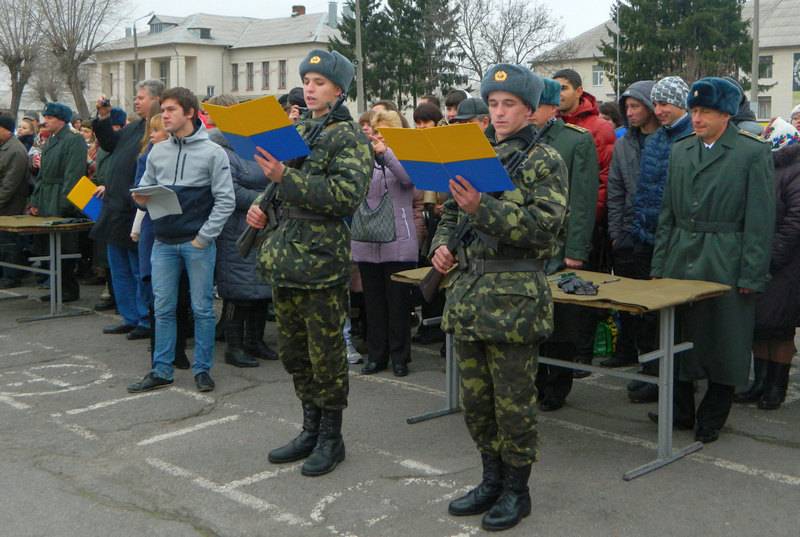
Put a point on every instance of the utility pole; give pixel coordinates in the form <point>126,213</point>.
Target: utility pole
<point>619,31</point>
<point>755,69</point>
<point>361,105</point>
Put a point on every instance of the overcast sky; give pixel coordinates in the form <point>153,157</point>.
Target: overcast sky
<point>577,15</point>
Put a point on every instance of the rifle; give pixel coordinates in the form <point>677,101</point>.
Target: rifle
<point>430,283</point>
<point>267,205</point>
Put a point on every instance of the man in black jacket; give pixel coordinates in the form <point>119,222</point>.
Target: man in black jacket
<point>114,224</point>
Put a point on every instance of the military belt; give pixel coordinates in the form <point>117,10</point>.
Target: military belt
<point>486,266</point>
<point>296,213</point>
<point>709,227</point>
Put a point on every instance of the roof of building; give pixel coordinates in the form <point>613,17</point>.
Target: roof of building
<point>584,45</point>
<point>234,32</point>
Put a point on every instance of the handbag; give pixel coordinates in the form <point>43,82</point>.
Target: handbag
<point>375,225</point>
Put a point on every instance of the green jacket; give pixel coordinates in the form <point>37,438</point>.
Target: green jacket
<point>332,182</point>
<point>513,307</point>
<point>576,146</point>
<point>63,164</point>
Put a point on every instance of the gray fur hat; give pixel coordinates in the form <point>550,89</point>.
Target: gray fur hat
<point>515,79</point>
<point>331,65</point>
<point>671,90</point>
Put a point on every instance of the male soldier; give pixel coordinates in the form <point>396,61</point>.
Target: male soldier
<point>63,164</point>
<point>576,147</point>
<point>499,306</point>
<point>307,259</point>
<point>716,224</point>
<point>473,110</point>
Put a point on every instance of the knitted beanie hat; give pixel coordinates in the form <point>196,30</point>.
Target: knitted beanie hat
<point>780,134</point>
<point>671,90</point>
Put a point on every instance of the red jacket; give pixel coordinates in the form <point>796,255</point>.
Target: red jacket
<point>587,115</point>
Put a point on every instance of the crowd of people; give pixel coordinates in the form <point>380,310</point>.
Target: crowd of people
<point>675,180</point>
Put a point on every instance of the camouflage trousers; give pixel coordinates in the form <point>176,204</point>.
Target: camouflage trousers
<point>498,394</point>
<point>311,343</point>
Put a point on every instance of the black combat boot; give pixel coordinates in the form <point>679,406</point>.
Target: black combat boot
<point>514,503</point>
<point>235,354</point>
<point>481,498</point>
<point>775,387</point>
<point>254,332</point>
<point>756,389</point>
<point>303,444</point>
<point>329,451</point>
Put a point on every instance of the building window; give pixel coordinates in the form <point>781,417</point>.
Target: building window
<point>264,75</point>
<point>163,72</point>
<point>764,107</point>
<point>209,91</point>
<point>282,74</point>
<point>110,84</point>
<point>765,67</point>
<point>597,75</point>
<point>234,77</point>
<point>249,75</point>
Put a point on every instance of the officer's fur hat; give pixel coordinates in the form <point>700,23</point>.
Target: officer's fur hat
<point>331,65</point>
<point>61,111</point>
<point>515,79</point>
<point>118,116</point>
<point>715,93</point>
<point>551,94</point>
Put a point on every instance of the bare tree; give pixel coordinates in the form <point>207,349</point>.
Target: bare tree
<point>75,29</point>
<point>495,31</point>
<point>19,44</point>
<point>47,80</point>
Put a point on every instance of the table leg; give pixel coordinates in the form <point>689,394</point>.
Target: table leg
<point>452,387</point>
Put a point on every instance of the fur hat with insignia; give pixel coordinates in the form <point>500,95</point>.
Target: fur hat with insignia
<point>61,111</point>
<point>118,116</point>
<point>715,93</point>
<point>331,65</point>
<point>514,79</point>
<point>551,94</point>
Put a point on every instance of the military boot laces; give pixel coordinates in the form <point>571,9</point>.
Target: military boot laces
<point>329,451</point>
<point>302,446</point>
<point>514,503</point>
<point>481,498</point>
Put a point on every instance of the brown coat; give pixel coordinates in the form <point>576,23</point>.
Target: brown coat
<point>14,174</point>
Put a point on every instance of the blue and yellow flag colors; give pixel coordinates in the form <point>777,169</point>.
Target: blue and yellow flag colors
<point>432,157</point>
<point>82,196</point>
<point>260,122</point>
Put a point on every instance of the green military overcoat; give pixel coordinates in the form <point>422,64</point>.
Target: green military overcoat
<point>63,164</point>
<point>716,224</point>
<point>525,223</point>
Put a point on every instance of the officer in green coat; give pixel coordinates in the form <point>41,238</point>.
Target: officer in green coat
<point>499,306</point>
<point>307,260</point>
<point>572,323</point>
<point>63,164</point>
<point>716,224</point>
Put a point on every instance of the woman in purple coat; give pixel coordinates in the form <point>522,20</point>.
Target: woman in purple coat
<point>388,303</point>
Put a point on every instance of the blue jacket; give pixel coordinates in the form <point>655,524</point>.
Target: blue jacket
<point>653,176</point>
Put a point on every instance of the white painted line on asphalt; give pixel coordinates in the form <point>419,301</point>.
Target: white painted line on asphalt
<point>261,476</point>
<point>187,430</point>
<point>16,353</point>
<point>193,395</point>
<point>319,508</point>
<point>776,477</point>
<point>111,402</point>
<point>11,402</point>
<point>420,467</point>
<point>593,381</point>
<point>400,383</point>
<point>38,378</point>
<point>247,500</point>
<point>397,459</point>
<point>83,432</point>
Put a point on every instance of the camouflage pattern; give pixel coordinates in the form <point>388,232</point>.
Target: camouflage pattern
<point>63,164</point>
<point>512,307</point>
<point>311,343</point>
<point>499,398</point>
<point>332,182</point>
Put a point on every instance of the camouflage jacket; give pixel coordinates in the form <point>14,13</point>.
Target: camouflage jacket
<point>513,307</point>
<point>333,180</point>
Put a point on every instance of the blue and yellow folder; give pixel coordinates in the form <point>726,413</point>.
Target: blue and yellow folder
<point>82,196</point>
<point>260,122</point>
<point>432,157</point>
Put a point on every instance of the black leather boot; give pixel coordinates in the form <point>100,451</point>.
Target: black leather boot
<point>303,444</point>
<point>756,389</point>
<point>775,387</point>
<point>254,332</point>
<point>329,451</point>
<point>235,354</point>
<point>514,503</point>
<point>481,498</point>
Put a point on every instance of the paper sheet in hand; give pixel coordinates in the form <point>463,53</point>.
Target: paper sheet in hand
<point>260,122</point>
<point>163,201</point>
<point>432,157</point>
<point>82,196</point>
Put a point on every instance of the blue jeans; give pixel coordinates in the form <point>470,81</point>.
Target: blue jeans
<point>128,291</point>
<point>167,262</point>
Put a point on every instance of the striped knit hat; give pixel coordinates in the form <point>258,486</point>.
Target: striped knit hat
<point>671,90</point>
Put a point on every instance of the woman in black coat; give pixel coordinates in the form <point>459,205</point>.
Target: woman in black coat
<point>778,309</point>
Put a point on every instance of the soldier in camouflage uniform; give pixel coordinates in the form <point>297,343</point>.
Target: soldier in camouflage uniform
<point>499,306</point>
<point>307,261</point>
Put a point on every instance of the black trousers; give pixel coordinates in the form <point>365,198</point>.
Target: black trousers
<point>712,413</point>
<point>387,305</point>
<point>638,333</point>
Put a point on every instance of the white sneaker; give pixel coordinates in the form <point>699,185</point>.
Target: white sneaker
<point>353,356</point>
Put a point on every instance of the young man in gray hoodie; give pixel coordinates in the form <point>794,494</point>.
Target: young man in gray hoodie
<point>198,171</point>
